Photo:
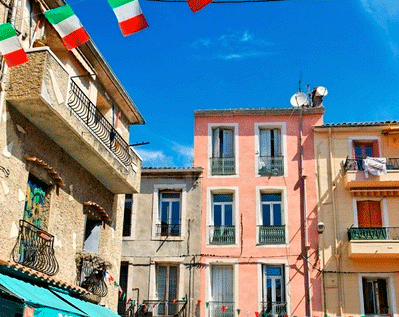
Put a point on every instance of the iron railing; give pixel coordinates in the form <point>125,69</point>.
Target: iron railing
<point>271,165</point>
<point>165,229</point>
<point>222,235</point>
<point>271,234</point>
<point>90,274</point>
<point>221,309</point>
<point>382,233</point>
<point>356,164</point>
<point>98,124</point>
<point>165,308</point>
<point>273,309</point>
<point>223,165</point>
<point>35,249</point>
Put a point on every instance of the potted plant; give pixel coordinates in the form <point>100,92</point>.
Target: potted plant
<point>41,41</point>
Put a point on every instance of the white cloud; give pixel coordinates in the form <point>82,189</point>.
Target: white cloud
<point>230,46</point>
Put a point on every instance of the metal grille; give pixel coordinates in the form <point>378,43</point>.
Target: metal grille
<point>385,233</point>
<point>165,229</point>
<point>35,249</point>
<point>221,309</point>
<point>222,235</point>
<point>273,309</point>
<point>272,234</point>
<point>271,165</point>
<point>98,124</point>
<point>356,164</point>
<point>223,165</point>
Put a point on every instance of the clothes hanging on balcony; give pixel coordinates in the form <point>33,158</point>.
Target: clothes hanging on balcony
<point>375,166</point>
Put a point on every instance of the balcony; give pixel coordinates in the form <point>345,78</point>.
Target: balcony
<point>165,308</point>
<point>271,165</point>
<point>373,242</point>
<point>165,229</point>
<point>273,309</point>
<point>35,249</point>
<point>355,178</point>
<point>44,93</point>
<point>271,234</point>
<point>222,235</point>
<point>221,309</point>
<point>223,165</point>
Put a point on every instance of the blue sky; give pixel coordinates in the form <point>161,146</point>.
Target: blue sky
<point>248,55</point>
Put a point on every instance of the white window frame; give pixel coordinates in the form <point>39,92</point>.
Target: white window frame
<point>351,139</point>
<point>182,188</point>
<point>209,214</point>
<point>282,126</point>
<point>226,125</point>
<point>132,218</point>
<point>284,210</point>
<point>390,288</point>
<point>286,272</point>
<point>384,209</point>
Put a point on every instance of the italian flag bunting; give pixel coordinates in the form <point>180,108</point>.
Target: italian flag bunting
<point>196,5</point>
<point>10,47</point>
<point>130,17</point>
<point>68,26</point>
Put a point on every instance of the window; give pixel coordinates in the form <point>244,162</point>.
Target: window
<point>223,230</point>
<point>369,214</point>
<point>222,291</point>
<point>375,296</point>
<point>270,160</point>
<point>167,289</point>
<point>169,214</point>
<point>92,234</point>
<point>273,291</point>
<point>127,218</point>
<point>271,230</point>
<point>35,211</point>
<point>123,285</point>
<point>363,149</point>
<point>223,159</point>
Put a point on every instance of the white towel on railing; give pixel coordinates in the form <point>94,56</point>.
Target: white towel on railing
<point>375,166</point>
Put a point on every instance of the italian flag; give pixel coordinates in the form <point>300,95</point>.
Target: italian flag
<point>68,26</point>
<point>130,17</point>
<point>10,47</point>
<point>196,5</point>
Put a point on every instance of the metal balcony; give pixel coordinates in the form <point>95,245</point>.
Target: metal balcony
<point>165,229</point>
<point>356,164</point>
<point>222,235</point>
<point>273,309</point>
<point>223,165</point>
<point>271,234</point>
<point>221,309</point>
<point>164,308</point>
<point>35,249</point>
<point>271,165</point>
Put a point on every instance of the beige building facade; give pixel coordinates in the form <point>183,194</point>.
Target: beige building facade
<point>65,167</point>
<point>358,187</point>
<point>161,243</point>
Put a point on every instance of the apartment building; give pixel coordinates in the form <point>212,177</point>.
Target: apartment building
<point>358,186</point>
<point>161,244</point>
<point>65,167</point>
<point>259,215</point>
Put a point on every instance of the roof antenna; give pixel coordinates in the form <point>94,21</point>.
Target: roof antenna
<point>300,80</point>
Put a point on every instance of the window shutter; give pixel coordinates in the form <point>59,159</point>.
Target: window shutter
<point>216,143</point>
<point>277,142</point>
<point>228,147</point>
<point>265,144</point>
<point>376,152</point>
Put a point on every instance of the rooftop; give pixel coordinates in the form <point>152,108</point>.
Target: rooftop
<point>257,111</point>
<point>358,124</point>
<point>171,171</point>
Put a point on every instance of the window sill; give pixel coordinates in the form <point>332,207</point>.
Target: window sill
<point>167,238</point>
<point>273,245</point>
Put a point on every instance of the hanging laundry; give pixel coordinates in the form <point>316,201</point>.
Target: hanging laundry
<point>10,47</point>
<point>68,26</point>
<point>375,166</point>
<point>130,17</point>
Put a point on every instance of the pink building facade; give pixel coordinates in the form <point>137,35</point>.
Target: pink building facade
<point>259,253</point>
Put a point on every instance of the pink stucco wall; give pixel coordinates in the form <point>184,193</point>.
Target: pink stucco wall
<point>248,281</point>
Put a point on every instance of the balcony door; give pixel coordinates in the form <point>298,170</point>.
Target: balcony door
<point>273,291</point>
<point>270,159</point>
<point>167,289</point>
<point>369,214</point>
<point>222,301</point>
<point>375,296</point>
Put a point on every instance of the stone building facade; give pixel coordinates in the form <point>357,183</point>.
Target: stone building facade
<point>161,243</point>
<point>65,167</point>
<point>359,247</point>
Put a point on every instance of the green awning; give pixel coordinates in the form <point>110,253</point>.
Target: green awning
<point>42,299</point>
<point>90,309</point>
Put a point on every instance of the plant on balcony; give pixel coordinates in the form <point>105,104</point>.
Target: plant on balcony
<point>91,270</point>
<point>41,41</point>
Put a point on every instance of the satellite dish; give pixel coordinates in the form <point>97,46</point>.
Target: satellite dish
<point>322,91</point>
<point>299,99</point>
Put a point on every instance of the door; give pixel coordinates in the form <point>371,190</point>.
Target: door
<point>222,301</point>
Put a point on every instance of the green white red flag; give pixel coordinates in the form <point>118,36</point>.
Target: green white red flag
<point>130,17</point>
<point>68,26</point>
<point>10,46</point>
<point>196,5</point>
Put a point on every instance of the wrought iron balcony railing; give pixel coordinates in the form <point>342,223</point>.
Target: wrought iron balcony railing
<point>176,308</point>
<point>165,229</point>
<point>271,165</point>
<point>271,234</point>
<point>35,249</point>
<point>384,233</point>
<point>356,164</point>
<point>223,165</point>
<point>221,309</point>
<point>273,309</point>
<point>88,113</point>
<point>222,235</point>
